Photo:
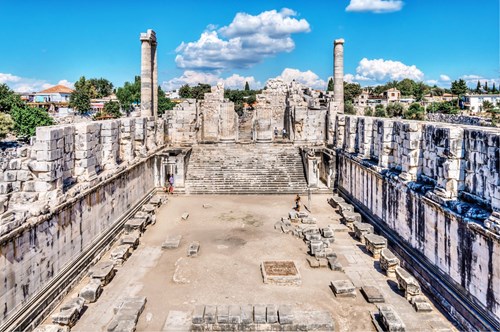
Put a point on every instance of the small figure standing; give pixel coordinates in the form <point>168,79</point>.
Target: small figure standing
<point>297,203</point>
<point>284,135</point>
<point>171,184</point>
<point>275,132</point>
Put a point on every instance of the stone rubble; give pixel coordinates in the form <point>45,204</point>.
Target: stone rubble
<point>91,291</point>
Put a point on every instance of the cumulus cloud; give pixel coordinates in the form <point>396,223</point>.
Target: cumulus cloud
<point>380,70</point>
<point>67,84</point>
<point>246,41</point>
<point>192,77</point>
<point>375,6</point>
<point>444,78</point>
<point>471,80</point>
<point>24,84</point>
<point>308,78</point>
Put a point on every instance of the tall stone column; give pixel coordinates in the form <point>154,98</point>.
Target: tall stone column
<point>149,74</point>
<point>338,74</point>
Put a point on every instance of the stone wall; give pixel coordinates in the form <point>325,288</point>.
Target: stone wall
<point>433,184</point>
<point>65,191</point>
<point>182,122</point>
<point>459,119</point>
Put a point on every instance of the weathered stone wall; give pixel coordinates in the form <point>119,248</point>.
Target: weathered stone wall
<point>435,185</point>
<point>182,123</point>
<point>309,125</point>
<point>459,119</point>
<point>64,191</point>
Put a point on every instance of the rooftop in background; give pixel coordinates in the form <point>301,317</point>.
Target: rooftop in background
<point>57,89</point>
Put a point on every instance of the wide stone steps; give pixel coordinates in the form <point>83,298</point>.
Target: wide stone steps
<point>245,169</point>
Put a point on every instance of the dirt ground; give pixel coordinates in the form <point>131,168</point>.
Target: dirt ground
<point>236,234</point>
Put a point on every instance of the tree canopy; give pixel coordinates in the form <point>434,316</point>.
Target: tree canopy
<point>6,124</point>
<point>351,91</point>
<point>80,98</point>
<point>330,85</point>
<point>9,99</point>
<point>26,119</point>
<point>164,103</point>
<point>101,87</point>
<point>240,97</point>
<point>129,94</point>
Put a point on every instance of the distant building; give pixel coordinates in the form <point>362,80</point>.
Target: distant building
<point>429,99</point>
<point>392,95</point>
<point>474,103</point>
<point>97,104</point>
<point>54,99</point>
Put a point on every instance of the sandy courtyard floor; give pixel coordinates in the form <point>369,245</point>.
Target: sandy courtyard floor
<point>236,234</point>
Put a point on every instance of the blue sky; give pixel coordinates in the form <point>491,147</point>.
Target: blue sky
<point>48,42</point>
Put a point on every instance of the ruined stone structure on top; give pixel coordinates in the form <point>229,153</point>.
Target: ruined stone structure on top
<point>432,189</point>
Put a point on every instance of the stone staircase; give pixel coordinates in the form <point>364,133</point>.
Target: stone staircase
<point>245,169</point>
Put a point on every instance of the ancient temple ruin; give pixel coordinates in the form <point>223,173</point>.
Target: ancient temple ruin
<point>80,197</point>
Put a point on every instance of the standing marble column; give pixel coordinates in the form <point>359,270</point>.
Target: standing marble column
<point>149,74</point>
<point>338,75</point>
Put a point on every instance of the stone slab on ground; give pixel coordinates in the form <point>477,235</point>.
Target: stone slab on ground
<point>343,288</point>
<point>375,244</point>
<point>207,206</point>
<point>422,307</point>
<point>132,239</point>
<point>74,303</point>
<point>198,314</point>
<point>246,314</point>
<point>285,315</point>
<point>66,317</point>
<point>390,320</point>
<point>327,232</point>
<point>177,321</point>
<point>338,228</point>
<point>210,314</point>
<point>193,249</point>
<point>388,262</point>
<point>185,216</point>
<point>407,283</point>
<point>91,291</point>
<point>120,253</point>
<point>372,294</point>
<point>172,242</point>
<point>313,262</point>
<point>149,208</point>
<point>280,273</point>
<point>134,224</point>
<point>234,314</point>
<point>51,328</point>
<point>222,314</point>
<point>271,313</point>
<point>259,314</point>
<point>121,324</point>
<point>103,271</point>
<point>361,229</point>
<point>313,321</point>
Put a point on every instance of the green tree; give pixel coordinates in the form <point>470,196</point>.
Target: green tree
<point>199,91</point>
<point>415,112</point>
<point>330,85</point>
<point>487,105</point>
<point>494,88</point>
<point>458,88</point>
<point>26,119</point>
<point>486,87</point>
<point>185,91</point>
<point>164,103</point>
<point>112,108</point>
<point>101,87</point>
<point>349,108</point>
<point>9,99</point>
<point>351,91</point>
<point>419,90</point>
<point>80,98</point>
<point>6,124</point>
<point>380,111</point>
<point>406,87</point>
<point>130,94</point>
<point>368,111</point>
<point>478,87</point>
<point>247,86</point>
<point>394,110</point>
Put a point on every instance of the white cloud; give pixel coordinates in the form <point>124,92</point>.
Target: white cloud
<point>432,82</point>
<point>192,77</point>
<point>471,80</point>
<point>23,84</point>
<point>308,78</point>
<point>246,41</point>
<point>444,78</point>
<point>375,6</point>
<point>66,83</point>
<point>9,78</point>
<point>380,70</point>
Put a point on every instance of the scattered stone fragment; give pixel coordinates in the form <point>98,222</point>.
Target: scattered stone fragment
<point>131,239</point>
<point>222,314</point>
<point>74,303</point>
<point>315,246</point>
<point>323,262</point>
<point>120,253</point>
<point>422,306</point>
<point>91,291</point>
<point>149,208</point>
<point>156,200</point>
<point>52,328</point>
<point>277,225</point>
<point>343,288</point>
<point>210,314</point>
<point>207,206</point>
<point>285,315</point>
<point>144,216</point>
<point>407,283</point>
<point>121,324</point>
<point>185,216</point>
<point>335,201</point>
<point>350,217</point>
<point>103,271</point>
<point>193,249</point>
<point>313,321</point>
<point>343,207</point>
<point>372,294</point>
<point>388,262</point>
<point>234,314</point>
<point>327,232</point>
<point>302,214</point>
<point>361,229</point>
<point>66,317</point>
<point>271,314</point>
<point>390,320</point>
<point>172,242</point>
<point>313,262</point>
<point>338,228</point>
<point>309,220</point>
<point>198,313</point>
<point>375,244</point>
<point>134,224</point>
<point>259,314</point>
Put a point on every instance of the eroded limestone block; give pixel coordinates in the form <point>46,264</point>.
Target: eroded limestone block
<point>103,271</point>
<point>343,207</point>
<point>172,242</point>
<point>193,249</point>
<point>234,314</point>
<point>375,244</point>
<point>222,314</point>
<point>271,314</point>
<point>350,217</point>
<point>51,328</point>
<point>327,232</point>
<point>285,315</point>
<point>67,317</point>
<point>388,262</point>
<point>390,319</point>
<point>372,294</point>
<point>132,239</point>
<point>407,283</point>
<point>91,291</point>
<point>135,224</point>
<point>185,216</point>
<point>74,303</point>
<point>361,229</point>
<point>120,253</point>
<point>259,314</point>
<point>343,288</point>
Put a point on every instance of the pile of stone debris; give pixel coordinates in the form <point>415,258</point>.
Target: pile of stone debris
<point>128,310</point>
